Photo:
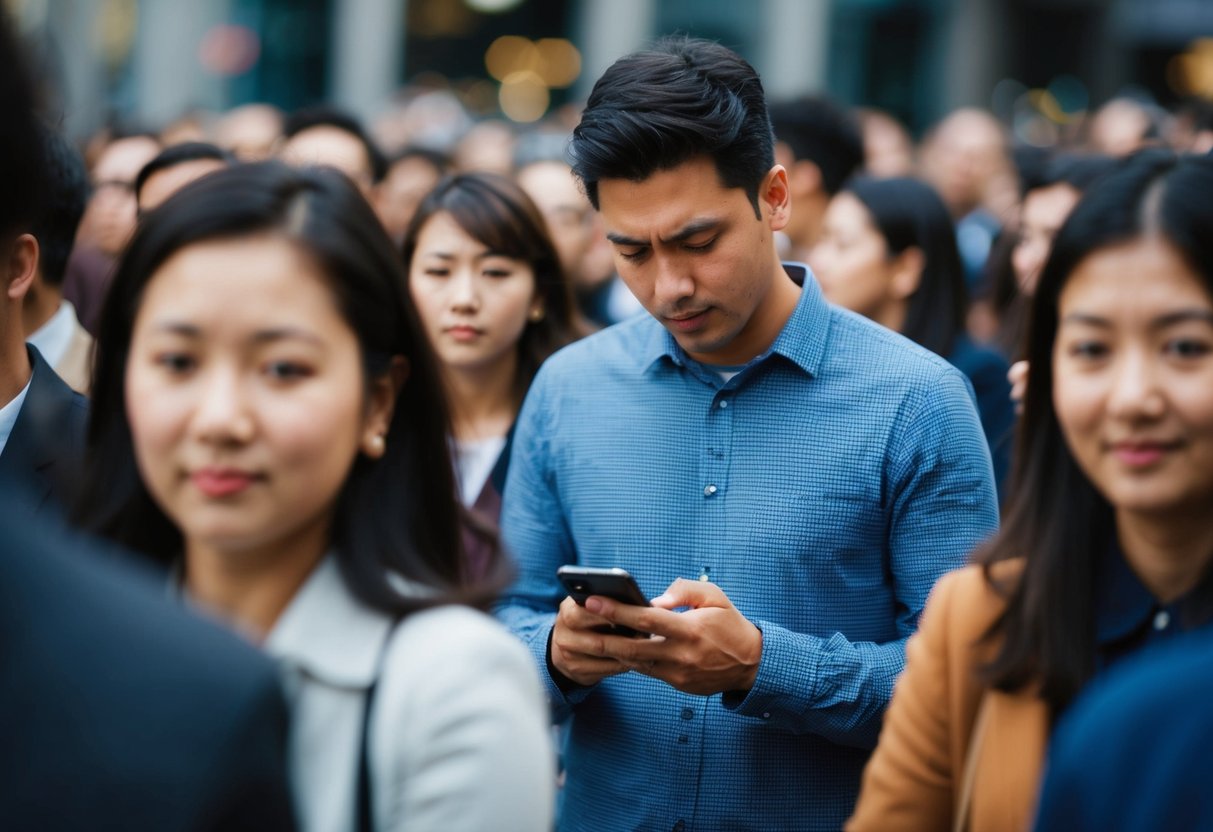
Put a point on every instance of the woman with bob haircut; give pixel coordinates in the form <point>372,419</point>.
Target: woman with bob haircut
<point>269,423</point>
<point>487,282</point>
<point>1106,544</point>
<point>888,251</point>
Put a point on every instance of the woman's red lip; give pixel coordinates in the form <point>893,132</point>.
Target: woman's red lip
<point>221,482</point>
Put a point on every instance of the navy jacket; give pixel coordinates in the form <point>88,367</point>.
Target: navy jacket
<point>119,710</point>
<point>44,452</point>
<point>1132,753</point>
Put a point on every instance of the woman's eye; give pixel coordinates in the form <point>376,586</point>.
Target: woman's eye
<point>497,273</point>
<point>175,362</point>
<point>1088,349</point>
<point>436,272</point>
<point>287,370</point>
<point>1187,347</point>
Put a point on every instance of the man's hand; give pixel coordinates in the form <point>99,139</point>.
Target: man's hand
<point>707,649</point>
<point>578,649</point>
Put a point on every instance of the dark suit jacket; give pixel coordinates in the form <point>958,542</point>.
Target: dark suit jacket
<point>45,450</point>
<point>118,709</point>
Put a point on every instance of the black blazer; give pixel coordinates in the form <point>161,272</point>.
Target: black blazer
<point>45,450</point>
<point>121,711</point>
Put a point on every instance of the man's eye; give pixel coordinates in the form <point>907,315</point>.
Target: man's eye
<point>701,246</point>
<point>638,254</point>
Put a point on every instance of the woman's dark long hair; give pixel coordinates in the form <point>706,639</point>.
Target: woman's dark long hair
<point>397,514</point>
<point>1056,521</point>
<point>496,212</point>
<point>909,213</point>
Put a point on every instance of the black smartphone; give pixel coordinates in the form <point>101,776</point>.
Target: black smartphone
<point>583,581</point>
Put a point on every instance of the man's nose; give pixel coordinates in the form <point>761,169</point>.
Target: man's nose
<point>674,281</point>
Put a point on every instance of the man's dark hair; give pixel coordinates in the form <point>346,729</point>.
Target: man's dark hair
<point>179,154</point>
<point>22,166</point>
<point>821,131</point>
<point>66,194</point>
<point>655,109</point>
<point>1078,170</point>
<point>320,116</point>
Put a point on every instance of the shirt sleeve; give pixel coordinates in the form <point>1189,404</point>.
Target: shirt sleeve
<point>535,534</point>
<point>942,504</point>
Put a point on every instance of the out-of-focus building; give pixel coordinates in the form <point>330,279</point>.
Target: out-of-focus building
<point>150,61</point>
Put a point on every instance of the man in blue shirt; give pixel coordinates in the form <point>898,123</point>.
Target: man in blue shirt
<point>788,478</point>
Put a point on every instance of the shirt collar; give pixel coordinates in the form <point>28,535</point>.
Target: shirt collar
<point>1123,604</point>
<point>10,412</point>
<point>327,634</point>
<point>802,339</point>
<point>53,338</point>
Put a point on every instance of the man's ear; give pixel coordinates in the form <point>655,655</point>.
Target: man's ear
<point>776,196</point>
<point>907,273</point>
<point>20,267</point>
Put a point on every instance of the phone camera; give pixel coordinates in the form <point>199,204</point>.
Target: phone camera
<point>579,587</point>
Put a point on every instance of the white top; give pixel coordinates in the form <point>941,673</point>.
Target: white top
<point>459,727</point>
<point>54,337</point>
<point>10,412</point>
<point>474,462</point>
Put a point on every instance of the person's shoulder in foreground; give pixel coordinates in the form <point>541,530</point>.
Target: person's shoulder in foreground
<point>1133,753</point>
<point>119,710</point>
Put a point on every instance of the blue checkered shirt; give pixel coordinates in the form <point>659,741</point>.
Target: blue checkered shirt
<point>824,488</point>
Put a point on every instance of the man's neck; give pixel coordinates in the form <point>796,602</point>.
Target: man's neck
<point>41,304</point>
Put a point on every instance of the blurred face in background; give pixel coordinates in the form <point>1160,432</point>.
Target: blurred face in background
<point>474,303</point>
<point>167,181</point>
<point>964,156</point>
<point>109,218</point>
<point>567,212</point>
<point>331,146</point>
<point>406,184</point>
<point>1044,210</point>
<point>851,263</point>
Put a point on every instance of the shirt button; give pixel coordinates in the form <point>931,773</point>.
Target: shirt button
<point>708,491</point>
<point>724,403</point>
<point>1161,620</point>
<point>766,715</point>
<point>687,713</point>
<point>680,825</point>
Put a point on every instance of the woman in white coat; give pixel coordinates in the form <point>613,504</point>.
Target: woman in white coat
<point>268,422</point>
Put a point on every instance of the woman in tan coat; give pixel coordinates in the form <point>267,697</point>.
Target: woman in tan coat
<point>1107,539</point>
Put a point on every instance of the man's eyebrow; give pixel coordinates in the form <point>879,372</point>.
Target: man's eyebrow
<point>622,240</point>
<point>692,228</point>
<point>688,231</point>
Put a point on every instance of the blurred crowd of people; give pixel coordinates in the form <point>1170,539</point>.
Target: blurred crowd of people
<point>357,390</point>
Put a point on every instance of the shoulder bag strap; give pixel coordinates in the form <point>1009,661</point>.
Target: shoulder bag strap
<point>960,820</point>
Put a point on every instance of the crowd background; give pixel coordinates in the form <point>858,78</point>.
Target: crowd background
<point>951,164</point>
